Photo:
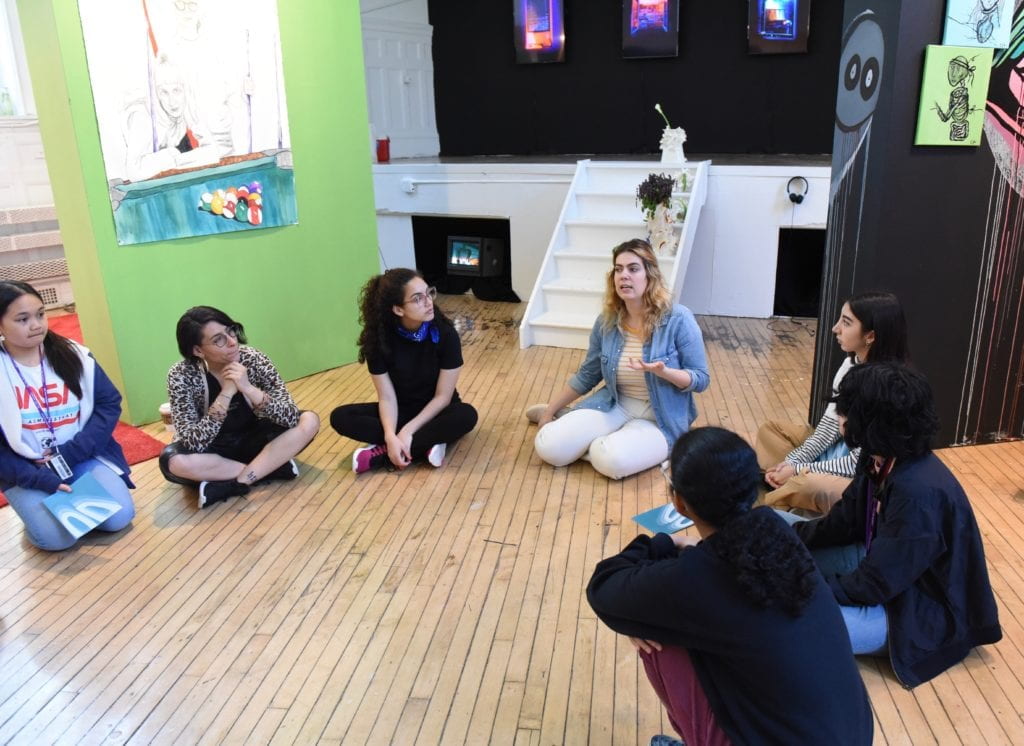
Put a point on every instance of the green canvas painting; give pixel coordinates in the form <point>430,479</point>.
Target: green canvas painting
<point>954,88</point>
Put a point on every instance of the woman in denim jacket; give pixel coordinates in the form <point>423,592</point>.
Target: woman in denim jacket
<point>650,355</point>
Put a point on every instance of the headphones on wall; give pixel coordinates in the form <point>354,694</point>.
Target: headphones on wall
<point>794,196</point>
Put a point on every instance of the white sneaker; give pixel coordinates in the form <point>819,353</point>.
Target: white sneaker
<point>436,455</point>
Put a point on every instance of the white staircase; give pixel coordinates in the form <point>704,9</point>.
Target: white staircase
<point>600,212</point>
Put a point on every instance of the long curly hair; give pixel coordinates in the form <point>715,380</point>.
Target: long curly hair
<point>716,473</point>
<point>376,299</point>
<point>60,351</point>
<point>657,299</point>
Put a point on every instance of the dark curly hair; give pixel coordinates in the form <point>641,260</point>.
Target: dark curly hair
<point>715,471</point>
<point>60,351</point>
<point>376,299</point>
<point>889,411</point>
<point>189,332</point>
<point>882,314</point>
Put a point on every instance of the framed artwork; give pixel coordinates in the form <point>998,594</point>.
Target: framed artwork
<point>650,28</point>
<point>953,91</point>
<point>193,123</point>
<point>778,26</point>
<point>538,31</point>
<point>978,23</point>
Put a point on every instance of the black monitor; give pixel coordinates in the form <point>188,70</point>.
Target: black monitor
<point>464,255</point>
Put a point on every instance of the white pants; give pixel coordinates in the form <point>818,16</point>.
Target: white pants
<point>623,441</point>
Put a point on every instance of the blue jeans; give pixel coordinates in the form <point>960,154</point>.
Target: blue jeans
<point>45,531</point>
<point>867,625</point>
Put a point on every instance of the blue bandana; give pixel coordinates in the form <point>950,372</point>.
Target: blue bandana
<point>427,327</point>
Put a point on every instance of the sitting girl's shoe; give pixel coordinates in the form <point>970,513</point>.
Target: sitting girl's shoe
<point>369,457</point>
<point>213,492</point>
<point>435,456</point>
<point>534,412</point>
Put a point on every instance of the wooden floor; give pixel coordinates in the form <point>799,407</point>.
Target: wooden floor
<point>431,606</point>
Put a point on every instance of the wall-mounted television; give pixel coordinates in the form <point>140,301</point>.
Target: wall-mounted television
<point>475,256</point>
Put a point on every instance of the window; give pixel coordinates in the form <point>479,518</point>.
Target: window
<point>15,89</point>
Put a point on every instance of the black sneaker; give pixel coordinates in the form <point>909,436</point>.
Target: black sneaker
<point>211,493</point>
<point>286,471</point>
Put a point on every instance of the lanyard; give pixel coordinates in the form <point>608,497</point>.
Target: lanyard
<point>47,419</point>
<point>873,506</point>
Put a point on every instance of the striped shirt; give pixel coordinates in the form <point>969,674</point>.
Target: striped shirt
<point>826,435</point>
<point>631,382</point>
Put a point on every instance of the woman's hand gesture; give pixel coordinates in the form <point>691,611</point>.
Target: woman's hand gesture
<point>657,367</point>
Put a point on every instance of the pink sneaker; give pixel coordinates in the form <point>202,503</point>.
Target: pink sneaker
<point>369,457</point>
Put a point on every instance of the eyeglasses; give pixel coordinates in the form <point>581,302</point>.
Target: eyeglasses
<point>183,5</point>
<point>220,340</point>
<point>420,299</point>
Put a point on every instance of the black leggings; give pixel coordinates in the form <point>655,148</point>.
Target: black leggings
<point>361,422</point>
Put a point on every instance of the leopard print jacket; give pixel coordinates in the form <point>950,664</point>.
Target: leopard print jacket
<point>194,428</point>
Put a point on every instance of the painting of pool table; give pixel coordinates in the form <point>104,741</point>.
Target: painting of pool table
<point>192,117</point>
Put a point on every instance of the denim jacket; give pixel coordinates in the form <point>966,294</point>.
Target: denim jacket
<point>677,341</point>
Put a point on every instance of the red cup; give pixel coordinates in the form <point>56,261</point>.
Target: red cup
<point>384,150</point>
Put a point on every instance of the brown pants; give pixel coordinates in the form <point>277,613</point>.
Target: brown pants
<point>809,491</point>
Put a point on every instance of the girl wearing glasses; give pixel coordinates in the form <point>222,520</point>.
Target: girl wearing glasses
<point>235,422</point>
<point>58,410</point>
<point>414,356</point>
<point>650,356</point>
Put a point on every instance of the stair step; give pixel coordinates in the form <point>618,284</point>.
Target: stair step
<point>563,320</point>
<point>617,177</point>
<point>608,234</point>
<point>573,285</point>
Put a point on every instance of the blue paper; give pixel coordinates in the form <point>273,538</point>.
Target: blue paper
<point>84,508</point>
<point>665,520</point>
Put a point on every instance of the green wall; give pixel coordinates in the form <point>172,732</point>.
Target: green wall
<point>294,288</point>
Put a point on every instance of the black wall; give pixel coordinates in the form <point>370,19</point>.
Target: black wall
<point>598,102</point>
<point>913,221</point>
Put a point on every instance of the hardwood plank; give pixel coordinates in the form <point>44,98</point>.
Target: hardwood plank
<point>434,605</point>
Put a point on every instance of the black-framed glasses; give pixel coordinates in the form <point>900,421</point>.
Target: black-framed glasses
<point>420,299</point>
<point>220,340</point>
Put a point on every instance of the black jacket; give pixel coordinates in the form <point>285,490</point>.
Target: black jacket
<point>770,678</point>
<point>926,564</point>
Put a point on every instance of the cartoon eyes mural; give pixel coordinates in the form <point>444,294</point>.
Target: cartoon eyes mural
<point>861,65</point>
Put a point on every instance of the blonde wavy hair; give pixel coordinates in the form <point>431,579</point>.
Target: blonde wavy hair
<point>657,300</point>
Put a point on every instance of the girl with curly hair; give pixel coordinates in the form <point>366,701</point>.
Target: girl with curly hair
<point>650,356</point>
<point>414,356</point>
<point>739,634</point>
<point>901,550</point>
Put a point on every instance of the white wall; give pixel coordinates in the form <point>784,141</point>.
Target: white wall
<point>24,181</point>
<point>399,69</point>
<point>732,267</point>
<point>529,196</point>
<point>409,11</point>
